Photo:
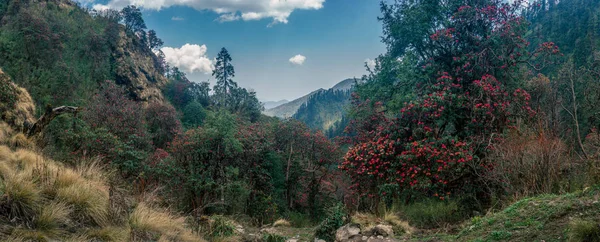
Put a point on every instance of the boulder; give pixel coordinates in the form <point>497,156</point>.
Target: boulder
<point>346,232</point>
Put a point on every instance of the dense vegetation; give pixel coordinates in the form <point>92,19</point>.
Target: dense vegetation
<point>474,105</point>
<point>473,102</point>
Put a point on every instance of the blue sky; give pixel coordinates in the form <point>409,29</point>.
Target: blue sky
<point>334,36</point>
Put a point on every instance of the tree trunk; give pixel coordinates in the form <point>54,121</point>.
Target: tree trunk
<point>50,114</point>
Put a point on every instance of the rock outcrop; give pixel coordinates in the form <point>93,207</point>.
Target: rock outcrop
<point>16,105</point>
<point>138,69</point>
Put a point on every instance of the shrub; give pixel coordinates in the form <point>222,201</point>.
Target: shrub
<point>299,220</point>
<point>193,115</point>
<point>432,213</point>
<point>583,230</point>
<point>220,227</point>
<point>336,218</point>
<point>273,238</point>
<point>527,165</point>
<point>163,123</point>
<point>111,108</point>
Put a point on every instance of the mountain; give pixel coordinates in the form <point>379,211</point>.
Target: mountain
<point>60,53</point>
<point>272,104</point>
<point>325,110</point>
<point>345,85</point>
<point>288,109</point>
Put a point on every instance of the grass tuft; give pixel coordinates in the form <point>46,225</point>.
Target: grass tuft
<point>51,216</point>
<point>281,223</point>
<point>150,224</point>
<point>584,230</point>
<point>87,201</point>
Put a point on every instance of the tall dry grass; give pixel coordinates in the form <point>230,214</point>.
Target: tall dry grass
<point>44,200</point>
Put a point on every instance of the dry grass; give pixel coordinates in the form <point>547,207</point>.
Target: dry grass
<point>43,200</point>
<point>87,201</point>
<point>367,221</point>
<point>147,223</point>
<point>109,234</point>
<point>52,215</point>
<point>281,223</point>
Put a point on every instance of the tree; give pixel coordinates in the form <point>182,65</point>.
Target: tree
<point>132,17</point>
<point>154,42</point>
<point>223,72</point>
<point>465,62</point>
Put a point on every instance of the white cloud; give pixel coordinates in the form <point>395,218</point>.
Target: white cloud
<point>370,63</point>
<point>228,17</point>
<point>176,18</point>
<point>298,60</point>
<point>190,58</point>
<point>229,10</point>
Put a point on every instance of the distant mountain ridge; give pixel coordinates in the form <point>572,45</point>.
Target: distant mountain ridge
<point>288,109</point>
<point>272,104</point>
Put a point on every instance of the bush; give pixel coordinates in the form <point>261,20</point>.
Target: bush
<point>582,230</point>
<point>163,123</point>
<point>220,227</point>
<point>299,220</point>
<point>432,213</point>
<point>193,115</point>
<point>273,238</point>
<point>336,218</point>
<point>528,165</point>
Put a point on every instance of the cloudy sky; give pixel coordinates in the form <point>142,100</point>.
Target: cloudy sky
<point>282,49</point>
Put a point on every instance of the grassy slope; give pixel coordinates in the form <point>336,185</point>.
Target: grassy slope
<point>44,200</point>
<point>542,218</point>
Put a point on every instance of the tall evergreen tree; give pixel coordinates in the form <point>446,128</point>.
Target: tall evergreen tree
<point>223,72</point>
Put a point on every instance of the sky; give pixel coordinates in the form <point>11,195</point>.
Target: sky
<point>282,49</point>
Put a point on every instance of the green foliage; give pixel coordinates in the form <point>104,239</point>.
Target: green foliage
<point>58,53</point>
<point>193,115</point>
<point>580,230</point>
<point>262,208</point>
<point>163,123</point>
<point>323,109</point>
<point>220,227</point>
<point>432,213</point>
<point>299,220</point>
<point>273,238</point>
<point>336,218</point>
<point>132,18</point>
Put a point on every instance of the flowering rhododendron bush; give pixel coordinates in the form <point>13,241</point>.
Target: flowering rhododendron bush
<point>469,68</point>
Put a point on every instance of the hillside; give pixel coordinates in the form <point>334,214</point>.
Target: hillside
<point>333,110</point>
<point>272,104</point>
<point>288,109</point>
<point>325,109</point>
<point>45,200</point>
<point>61,53</point>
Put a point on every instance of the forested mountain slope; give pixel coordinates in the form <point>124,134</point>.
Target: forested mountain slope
<point>288,109</point>
<point>61,53</point>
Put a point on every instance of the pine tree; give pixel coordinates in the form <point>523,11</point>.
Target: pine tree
<point>224,73</point>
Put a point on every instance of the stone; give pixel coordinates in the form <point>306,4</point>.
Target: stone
<point>383,230</point>
<point>319,240</point>
<point>346,232</point>
<point>239,229</point>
